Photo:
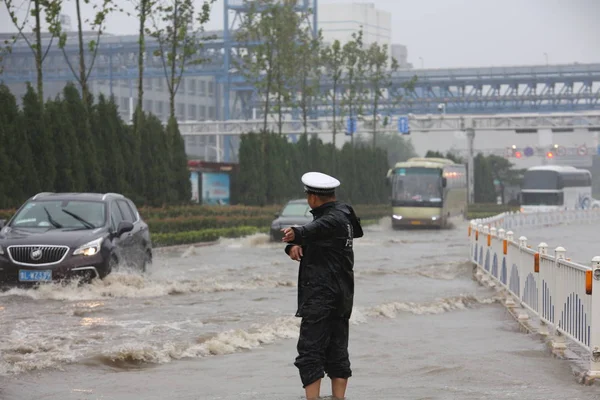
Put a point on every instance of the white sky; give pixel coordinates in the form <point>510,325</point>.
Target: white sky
<point>457,33</point>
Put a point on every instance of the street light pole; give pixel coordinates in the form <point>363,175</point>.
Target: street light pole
<point>471,165</point>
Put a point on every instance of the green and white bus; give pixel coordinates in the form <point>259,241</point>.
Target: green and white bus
<point>427,192</point>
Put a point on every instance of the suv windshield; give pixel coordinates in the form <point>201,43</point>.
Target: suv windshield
<point>295,210</point>
<point>61,214</point>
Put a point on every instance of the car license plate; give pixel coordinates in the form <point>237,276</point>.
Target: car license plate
<point>35,276</point>
<point>415,222</point>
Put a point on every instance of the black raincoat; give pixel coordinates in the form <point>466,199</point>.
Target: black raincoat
<point>326,290</point>
<point>326,274</point>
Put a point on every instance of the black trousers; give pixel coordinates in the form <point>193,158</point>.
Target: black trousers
<point>323,348</point>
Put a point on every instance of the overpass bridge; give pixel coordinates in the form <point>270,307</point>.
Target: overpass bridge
<point>225,134</point>
<point>481,90</point>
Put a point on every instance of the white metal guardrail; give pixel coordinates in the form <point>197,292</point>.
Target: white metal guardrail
<point>563,295</point>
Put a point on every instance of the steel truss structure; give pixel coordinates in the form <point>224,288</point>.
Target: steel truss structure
<point>520,89</point>
<point>418,123</point>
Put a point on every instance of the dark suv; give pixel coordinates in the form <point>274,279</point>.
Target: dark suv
<point>55,236</point>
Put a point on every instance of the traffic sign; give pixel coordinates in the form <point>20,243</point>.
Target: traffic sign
<point>598,150</point>
<point>561,151</point>
<point>403,127</point>
<point>582,150</point>
<point>528,151</point>
<point>350,126</point>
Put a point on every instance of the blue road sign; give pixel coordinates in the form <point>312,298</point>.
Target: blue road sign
<point>403,127</point>
<point>598,150</point>
<point>350,126</point>
<point>528,151</point>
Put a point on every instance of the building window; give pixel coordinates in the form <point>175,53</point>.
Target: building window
<point>202,113</point>
<point>202,88</point>
<point>148,83</point>
<point>180,111</point>
<point>211,88</point>
<point>160,84</point>
<point>192,112</point>
<point>148,105</point>
<point>192,87</point>
<point>211,113</point>
<point>181,88</point>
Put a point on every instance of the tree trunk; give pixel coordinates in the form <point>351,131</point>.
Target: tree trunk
<point>38,54</point>
<point>375,106</point>
<point>174,41</point>
<point>334,101</point>
<point>142,51</point>
<point>82,71</point>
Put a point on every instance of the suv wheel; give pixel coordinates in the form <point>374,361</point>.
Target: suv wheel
<point>113,263</point>
<point>147,260</point>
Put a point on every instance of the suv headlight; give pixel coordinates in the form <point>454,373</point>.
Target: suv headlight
<point>90,248</point>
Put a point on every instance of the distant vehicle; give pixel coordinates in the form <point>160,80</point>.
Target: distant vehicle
<point>55,236</point>
<point>557,187</point>
<point>427,192</point>
<point>295,213</point>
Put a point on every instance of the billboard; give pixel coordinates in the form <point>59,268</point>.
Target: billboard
<point>215,188</point>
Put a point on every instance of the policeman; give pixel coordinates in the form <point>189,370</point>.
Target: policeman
<point>325,285</point>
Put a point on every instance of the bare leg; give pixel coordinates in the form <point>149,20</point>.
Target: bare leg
<point>313,391</point>
<point>338,388</point>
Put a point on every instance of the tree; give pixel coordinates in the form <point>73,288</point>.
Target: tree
<point>309,71</point>
<point>484,180</point>
<point>177,40</point>
<point>449,155</point>
<point>503,172</point>
<point>21,168</point>
<point>379,78</point>
<point>396,147</point>
<point>40,139</point>
<point>258,63</point>
<point>82,75</point>
<point>333,64</point>
<point>51,11</point>
<point>354,58</point>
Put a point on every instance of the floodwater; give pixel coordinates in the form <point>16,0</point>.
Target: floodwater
<point>217,322</point>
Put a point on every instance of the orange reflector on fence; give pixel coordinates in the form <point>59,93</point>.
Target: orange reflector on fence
<point>588,282</point>
<point>505,246</point>
<point>489,240</point>
<point>476,235</point>
<point>469,230</point>
<point>536,262</point>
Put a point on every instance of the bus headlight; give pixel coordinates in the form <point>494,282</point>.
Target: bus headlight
<point>397,216</point>
<point>435,218</point>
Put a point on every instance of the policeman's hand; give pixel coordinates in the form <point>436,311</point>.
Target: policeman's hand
<point>288,235</point>
<point>296,253</point>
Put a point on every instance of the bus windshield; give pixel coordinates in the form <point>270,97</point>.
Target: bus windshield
<point>542,199</point>
<point>417,186</point>
<point>541,180</point>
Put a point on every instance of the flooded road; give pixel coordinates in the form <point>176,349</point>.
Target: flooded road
<point>217,323</point>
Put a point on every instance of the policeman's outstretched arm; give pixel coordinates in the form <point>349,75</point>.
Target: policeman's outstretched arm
<point>318,229</point>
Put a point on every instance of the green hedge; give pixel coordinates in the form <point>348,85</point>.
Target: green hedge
<point>207,211</point>
<point>195,223</point>
<point>204,235</point>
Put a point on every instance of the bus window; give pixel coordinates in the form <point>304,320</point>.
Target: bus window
<point>542,199</point>
<point>416,185</point>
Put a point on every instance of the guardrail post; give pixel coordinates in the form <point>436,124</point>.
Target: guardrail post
<point>522,241</point>
<point>542,251</point>
<point>558,343</point>
<point>510,235</point>
<point>595,323</point>
<point>501,233</point>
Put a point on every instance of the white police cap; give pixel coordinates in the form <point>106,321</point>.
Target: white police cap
<point>319,183</point>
